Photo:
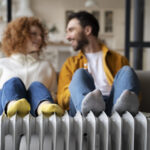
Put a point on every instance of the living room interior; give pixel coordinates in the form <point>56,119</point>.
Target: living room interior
<point>118,29</point>
<point>53,13</point>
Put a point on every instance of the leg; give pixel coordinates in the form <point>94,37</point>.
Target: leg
<point>84,96</point>
<point>72,109</point>
<point>125,80</point>
<point>37,93</point>
<point>41,100</point>
<point>82,83</point>
<point>1,109</point>
<point>14,90</point>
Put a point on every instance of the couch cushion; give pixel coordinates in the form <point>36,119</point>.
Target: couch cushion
<point>144,77</point>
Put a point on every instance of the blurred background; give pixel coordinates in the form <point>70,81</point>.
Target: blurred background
<point>121,22</point>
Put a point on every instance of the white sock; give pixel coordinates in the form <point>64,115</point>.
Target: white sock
<point>128,101</point>
<point>94,102</point>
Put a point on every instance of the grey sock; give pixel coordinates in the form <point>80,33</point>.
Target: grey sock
<point>94,102</point>
<point>128,101</point>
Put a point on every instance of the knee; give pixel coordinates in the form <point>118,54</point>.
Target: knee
<point>81,77</point>
<point>36,84</point>
<point>78,77</point>
<point>80,73</point>
<point>14,87</point>
<point>127,69</point>
<point>14,80</point>
<point>127,72</point>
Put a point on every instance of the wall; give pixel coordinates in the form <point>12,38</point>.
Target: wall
<point>52,12</point>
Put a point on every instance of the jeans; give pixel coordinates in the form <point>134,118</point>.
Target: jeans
<point>82,83</point>
<point>14,89</point>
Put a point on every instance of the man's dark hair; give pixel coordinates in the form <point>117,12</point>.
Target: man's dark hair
<point>86,19</point>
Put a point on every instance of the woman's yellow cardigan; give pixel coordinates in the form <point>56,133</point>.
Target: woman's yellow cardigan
<point>112,63</point>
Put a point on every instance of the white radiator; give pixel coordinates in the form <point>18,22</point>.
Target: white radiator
<point>78,133</point>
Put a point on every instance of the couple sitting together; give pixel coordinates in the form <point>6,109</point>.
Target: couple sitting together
<point>96,79</point>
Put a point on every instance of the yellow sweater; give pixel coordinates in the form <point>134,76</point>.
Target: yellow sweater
<point>112,63</point>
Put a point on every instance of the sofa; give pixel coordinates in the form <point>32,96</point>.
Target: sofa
<point>144,77</point>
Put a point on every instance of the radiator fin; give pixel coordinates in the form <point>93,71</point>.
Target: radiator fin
<point>117,132</point>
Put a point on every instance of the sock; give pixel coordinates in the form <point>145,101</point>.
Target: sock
<point>48,109</point>
<point>21,107</point>
<point>94,102</point>
<point>128,101</point>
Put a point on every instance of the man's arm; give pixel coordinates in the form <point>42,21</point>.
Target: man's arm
<point>63,93</point>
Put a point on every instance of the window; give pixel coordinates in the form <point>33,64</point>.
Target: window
<point>108,21</point>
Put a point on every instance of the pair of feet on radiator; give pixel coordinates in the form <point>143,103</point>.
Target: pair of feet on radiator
<point>22,108</point>
<point>93,101</point>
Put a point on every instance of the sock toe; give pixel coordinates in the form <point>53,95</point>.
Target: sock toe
<point>49,109</point>
<point>21,107</point>
<point>128,101</point>
<point>94,102</point>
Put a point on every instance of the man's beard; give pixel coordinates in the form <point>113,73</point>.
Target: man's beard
<point>82,41</point>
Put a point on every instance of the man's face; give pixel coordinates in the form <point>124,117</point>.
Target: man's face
<point>75,34</point>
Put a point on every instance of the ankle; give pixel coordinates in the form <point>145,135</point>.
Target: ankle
<point>9,105</point>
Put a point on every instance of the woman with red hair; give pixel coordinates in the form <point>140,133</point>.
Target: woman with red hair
<point>26,80</point>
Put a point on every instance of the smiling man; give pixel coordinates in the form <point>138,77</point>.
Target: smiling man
<point>97,79</point>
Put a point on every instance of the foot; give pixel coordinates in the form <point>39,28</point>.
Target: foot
<point>48,109</point>
<point>128,101</point>
<point>94,102</point>
<point>20,107</point>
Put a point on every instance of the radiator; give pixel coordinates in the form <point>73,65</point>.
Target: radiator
<point>78,133</point>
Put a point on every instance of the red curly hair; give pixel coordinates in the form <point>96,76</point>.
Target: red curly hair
<point>17,32</point>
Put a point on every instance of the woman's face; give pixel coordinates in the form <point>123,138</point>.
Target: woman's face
<point>34,43</point>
